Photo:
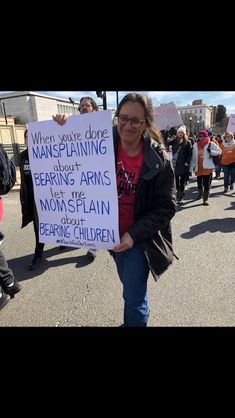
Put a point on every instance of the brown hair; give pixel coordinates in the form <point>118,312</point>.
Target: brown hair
<point>185,139</point>
<point>147,105</point>
<point>92,101</point>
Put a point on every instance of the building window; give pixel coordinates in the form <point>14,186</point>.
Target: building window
<point>65,109</point>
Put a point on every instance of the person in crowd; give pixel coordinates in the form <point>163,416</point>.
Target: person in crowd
<point>191,138</point>
<point>203,162</point>
<point>228,160</point>
<point>147,203</point>
<point>87,105</point>
<point>8,283</point>
<point>168,135</point>
<point>218,166</point>
<point>28,206</point>
<point>182,153</point>
<point>216,160</point>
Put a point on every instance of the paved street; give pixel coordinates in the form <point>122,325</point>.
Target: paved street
<point>197,290</point>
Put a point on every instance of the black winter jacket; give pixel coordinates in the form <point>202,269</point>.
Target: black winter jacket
<point>185,155</point>
<point>28,207</point>
<point>155,206</point>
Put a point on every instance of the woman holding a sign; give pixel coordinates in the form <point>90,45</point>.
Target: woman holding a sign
<point>146,192</point>
<point>147,203</point>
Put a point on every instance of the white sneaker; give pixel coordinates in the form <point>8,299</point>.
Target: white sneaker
<point>2,237</point>
<point>92,253</point>
<point>4,299</point>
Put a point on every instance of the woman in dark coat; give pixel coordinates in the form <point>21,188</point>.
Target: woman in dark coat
<point>146,199</point>
<point>182,154</point>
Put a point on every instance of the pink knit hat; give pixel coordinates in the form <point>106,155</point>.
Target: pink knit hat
<point>204,133</point>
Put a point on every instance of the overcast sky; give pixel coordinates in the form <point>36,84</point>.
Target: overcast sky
<point>180,98</point>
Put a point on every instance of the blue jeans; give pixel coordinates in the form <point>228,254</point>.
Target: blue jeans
<point>229,174</point>
<point>133,271</point>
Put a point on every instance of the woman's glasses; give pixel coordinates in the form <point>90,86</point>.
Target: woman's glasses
<point>135,122</point>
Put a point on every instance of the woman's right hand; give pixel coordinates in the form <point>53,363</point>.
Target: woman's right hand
<point>60,118</point>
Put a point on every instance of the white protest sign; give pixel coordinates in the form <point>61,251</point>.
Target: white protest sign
<point>166,115</point>
<point>74,179</point>
<point>231,124</point>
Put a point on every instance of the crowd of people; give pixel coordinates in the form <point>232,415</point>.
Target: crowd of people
<point>202,154</point>
<point>161,165</point>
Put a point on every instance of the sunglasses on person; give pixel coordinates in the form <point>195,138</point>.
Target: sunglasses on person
<point>202,136</point>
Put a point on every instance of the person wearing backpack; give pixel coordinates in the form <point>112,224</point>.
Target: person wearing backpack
<point>203,163</point>
<point>28,207</point>
<point>8,283</point>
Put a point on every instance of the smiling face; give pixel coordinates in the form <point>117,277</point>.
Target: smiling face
<point>131,123</point>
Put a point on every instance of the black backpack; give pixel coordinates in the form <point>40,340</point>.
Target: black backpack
<point>7,172</point>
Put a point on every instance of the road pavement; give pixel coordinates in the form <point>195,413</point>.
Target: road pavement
<point>198,290</point>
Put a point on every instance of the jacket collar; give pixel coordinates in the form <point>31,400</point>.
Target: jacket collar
<point>153,162</point>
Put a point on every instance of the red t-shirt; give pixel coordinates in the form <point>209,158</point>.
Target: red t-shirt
<point>128,170</point>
